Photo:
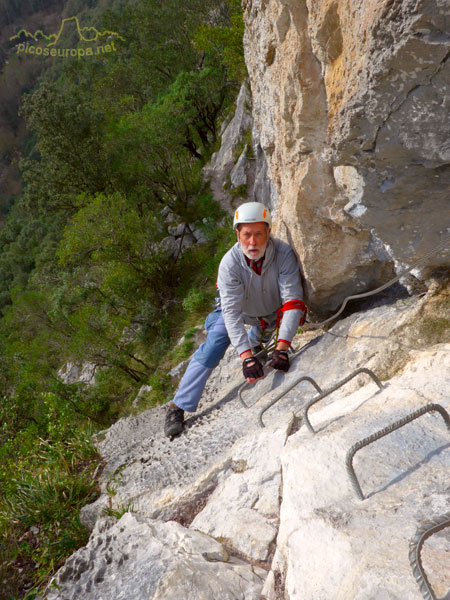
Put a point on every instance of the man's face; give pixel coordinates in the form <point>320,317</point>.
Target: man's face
<point>253,238</point>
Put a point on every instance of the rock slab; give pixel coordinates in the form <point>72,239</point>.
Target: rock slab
<point>142,559</point>
<point>363,545</point>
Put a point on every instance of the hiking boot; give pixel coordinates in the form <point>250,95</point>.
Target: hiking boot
<point>174,422</point>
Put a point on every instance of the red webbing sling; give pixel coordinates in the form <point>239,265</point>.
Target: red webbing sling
<point>291,305</point>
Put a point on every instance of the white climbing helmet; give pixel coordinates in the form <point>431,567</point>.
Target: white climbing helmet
<point>252,212</point>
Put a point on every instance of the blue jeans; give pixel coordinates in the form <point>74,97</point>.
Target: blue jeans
<point>206,357</point>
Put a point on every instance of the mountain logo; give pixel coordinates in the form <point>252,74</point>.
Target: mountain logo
<point>53,42</point>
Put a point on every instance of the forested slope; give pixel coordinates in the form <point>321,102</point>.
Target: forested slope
<point>110,150</point>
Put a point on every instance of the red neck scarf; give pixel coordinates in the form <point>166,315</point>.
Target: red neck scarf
<point>256,265</point>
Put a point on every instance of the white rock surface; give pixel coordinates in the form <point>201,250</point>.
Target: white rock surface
<point>78,373</point>
<point>179,369</point>
<point>218,169</point>
<point>362,546</point>
<point>280,498</point>
<point>238,175</point>
<point>226,167</point>
<point>147,470</point>
<point>142,559</point>
<point>145,389</point>
<point>244,506</point>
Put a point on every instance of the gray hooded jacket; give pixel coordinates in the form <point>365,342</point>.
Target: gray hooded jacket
<point>247,296</point>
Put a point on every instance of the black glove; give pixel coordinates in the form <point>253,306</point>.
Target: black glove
<point>279,360</point>
<point>252,368</point>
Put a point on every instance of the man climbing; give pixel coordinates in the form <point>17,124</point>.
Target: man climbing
<point>259,282</point>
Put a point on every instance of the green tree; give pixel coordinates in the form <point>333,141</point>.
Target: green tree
<point>85,275</point>
<point>71,157</point>
<point>159,45</point>
<point>225,40</point>
<point>157,153</point>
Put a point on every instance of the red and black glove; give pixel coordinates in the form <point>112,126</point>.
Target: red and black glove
<point>279,360</point>
<point>252,368</point>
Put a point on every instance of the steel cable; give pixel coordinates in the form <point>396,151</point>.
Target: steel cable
<point>384,286</point>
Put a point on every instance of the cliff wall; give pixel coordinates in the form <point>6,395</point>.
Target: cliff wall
<point>350,107</point>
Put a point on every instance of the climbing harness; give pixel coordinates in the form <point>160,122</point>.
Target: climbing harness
<point>291,305</point>
<point>268,340</point>
<point>415,546</point>
<point>385,431</point>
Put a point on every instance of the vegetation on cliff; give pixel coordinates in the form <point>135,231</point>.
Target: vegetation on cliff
<point>113,155</point>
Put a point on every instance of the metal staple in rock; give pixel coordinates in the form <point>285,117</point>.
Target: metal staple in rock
<point>333,389</point>
<point>415,546</point>
<point>385,431</point>
<point>284,392</point>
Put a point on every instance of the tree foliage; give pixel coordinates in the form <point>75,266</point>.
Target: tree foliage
<point>113,160</point>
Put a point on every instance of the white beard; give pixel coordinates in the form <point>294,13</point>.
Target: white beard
<point>254,256</point>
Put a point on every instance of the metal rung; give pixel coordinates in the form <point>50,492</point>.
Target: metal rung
<point>415,546</point>
<point>245,385</point>
<point>389,429</point>
<point>241,389</point>
<point>284,392</point>
<point>333,389</point>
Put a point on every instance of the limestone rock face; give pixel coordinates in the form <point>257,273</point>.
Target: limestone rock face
<point>224,160</point>
<point>244,506</point>
<point>148,472</point>
<point>350,100</point>
<point>78,373</point>
<point>403,477</point>
<point>237,172</point>
<point>141,559</point>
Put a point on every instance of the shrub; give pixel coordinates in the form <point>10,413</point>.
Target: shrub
<point>195,300</point>
<point>44,483</point>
